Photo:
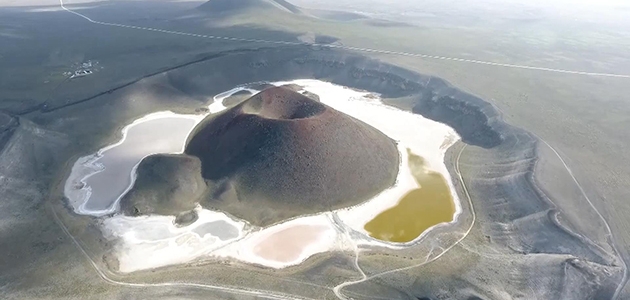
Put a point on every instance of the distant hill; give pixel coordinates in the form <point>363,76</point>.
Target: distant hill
<point>231,6</point>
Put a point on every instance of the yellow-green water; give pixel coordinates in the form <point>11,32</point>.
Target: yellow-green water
<point>428,205</point>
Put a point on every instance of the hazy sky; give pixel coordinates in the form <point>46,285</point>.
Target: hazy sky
<point>601,11</point>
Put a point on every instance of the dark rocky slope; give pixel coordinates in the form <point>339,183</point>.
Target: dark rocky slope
<point>165,185</point>
<point>284,154</point>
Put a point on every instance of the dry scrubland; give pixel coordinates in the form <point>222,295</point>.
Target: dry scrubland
<point>535,233</point>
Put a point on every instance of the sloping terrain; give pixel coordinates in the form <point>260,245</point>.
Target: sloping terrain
<point>8,125</point>
<point>517,234</point>
<point>234,7</point>
<point>29,162</point>
<point>518,248</point>
<point>523,244</point>
<point>165,185</point>
<point>286,155</point>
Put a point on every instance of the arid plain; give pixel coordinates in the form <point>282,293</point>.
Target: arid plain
<point>539,170</point>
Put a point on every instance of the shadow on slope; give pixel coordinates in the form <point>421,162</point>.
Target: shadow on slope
<point>285,155</point>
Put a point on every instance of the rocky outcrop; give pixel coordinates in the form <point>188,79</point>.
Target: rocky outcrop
<point>165,185</point>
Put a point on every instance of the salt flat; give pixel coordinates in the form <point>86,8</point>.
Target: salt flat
<point>108,174</point>
<point>146,242</point>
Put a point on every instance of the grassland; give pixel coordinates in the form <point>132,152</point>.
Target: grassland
<point>582,117</point>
